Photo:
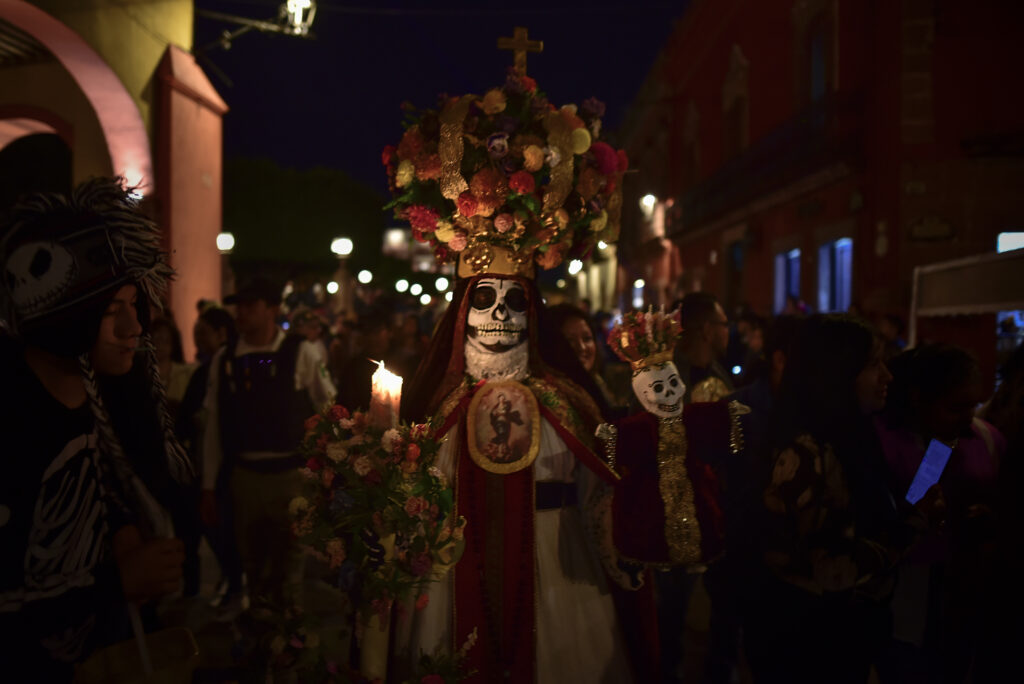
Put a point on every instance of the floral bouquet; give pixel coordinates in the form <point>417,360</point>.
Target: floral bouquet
<point>506,170</point>
<point>378,511</point>
<point>642,336</point>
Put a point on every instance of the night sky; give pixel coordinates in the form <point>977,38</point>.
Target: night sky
<point>334,101</point>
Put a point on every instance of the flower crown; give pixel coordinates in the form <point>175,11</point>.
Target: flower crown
<point>645,339</point>
<point>506,180</point>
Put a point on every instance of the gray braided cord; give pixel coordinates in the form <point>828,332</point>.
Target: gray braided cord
<point>178,461</point>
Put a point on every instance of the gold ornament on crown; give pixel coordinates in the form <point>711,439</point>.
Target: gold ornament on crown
<point>506,182</point>
<point>645,339</point>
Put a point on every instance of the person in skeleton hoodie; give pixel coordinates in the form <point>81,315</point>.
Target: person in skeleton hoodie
<point>533,581</point>
<point>80,533</point>
<point>667,510</point>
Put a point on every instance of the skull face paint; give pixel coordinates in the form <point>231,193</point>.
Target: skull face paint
<point>660,390</point>
<point>496,321</point>
<point>496,329</point>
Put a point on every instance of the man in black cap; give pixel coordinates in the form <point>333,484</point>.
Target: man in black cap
<point>262,388</point>
<point>81,533</point>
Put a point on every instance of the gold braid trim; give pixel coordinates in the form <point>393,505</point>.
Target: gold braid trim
<point>736,409</point>
<point>560,138</point>
<point>682,532</point>
<point>450,147</point>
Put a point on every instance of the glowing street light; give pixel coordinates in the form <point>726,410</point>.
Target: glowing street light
<point>365,277</point>
<point>639,283</point>
<point>332,287</point>
<point>441,284</point>
<point>575,266</point>
<point>341,246</point>
<point>402,285</point>
<point>300,16</point>
<point>448,296</point>
<point>415,289</point>
<point>225,242</point>
<point>648,201</point>
<point>425,299</point>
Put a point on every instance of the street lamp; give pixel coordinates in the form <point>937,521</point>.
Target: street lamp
<point>365,277</point>
<point>225,242</point>
<point>402,285</point>
<point>294,18</point>
<point>441,284</point>
<point>415,289</point>
<point>332,287</point>
<point>425,299</point>
<point>648,201</point>
<point>639,283</point>
<point>341,246</point>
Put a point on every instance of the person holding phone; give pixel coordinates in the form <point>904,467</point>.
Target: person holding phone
<point>930,434</point>
<point>831,530</point>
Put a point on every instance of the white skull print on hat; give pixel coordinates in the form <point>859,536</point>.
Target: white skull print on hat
<point>496,330</point>
<point>660,390</point>
<point>37,275</point>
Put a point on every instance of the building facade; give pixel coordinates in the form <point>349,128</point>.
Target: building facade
<point>823,149</point>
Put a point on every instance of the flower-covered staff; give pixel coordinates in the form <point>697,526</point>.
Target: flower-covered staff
<point>506,182</point>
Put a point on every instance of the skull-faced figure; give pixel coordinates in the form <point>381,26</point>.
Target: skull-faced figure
<point>37,274</point>
<point>496,330</point>
<point>660,390</point>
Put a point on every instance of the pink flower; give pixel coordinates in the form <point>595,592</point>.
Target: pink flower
<point>467,204</point>
<point>606,158</point>
<point>411,145</point>
<point>416,505</point>
<point>412,452</point>
<point>503,223</point>
<point>458,243</point>
<point>522,182</point>
<point>327,475</point>
<point>338,412</point>
<point>418,431</point>
<point>428,166</point>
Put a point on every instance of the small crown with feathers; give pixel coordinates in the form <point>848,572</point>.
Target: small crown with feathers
<point>645,339</point>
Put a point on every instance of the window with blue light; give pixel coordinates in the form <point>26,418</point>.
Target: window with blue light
<point>787,277</point>
<point>835,275</point>
<point>1007,242</point>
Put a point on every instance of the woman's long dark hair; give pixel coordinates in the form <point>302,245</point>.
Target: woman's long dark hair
<point>928,371</point>
<point>818,397</point>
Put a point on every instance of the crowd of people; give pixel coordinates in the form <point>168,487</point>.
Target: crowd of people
<point>124,455</point>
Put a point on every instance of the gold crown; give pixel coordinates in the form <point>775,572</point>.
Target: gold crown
<point>645,339</point>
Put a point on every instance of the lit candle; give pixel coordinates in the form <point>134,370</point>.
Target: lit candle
<point>386,397</point>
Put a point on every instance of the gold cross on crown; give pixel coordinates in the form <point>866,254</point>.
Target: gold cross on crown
<point>520,44</point>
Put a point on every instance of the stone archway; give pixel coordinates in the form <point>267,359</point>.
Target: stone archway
<point>117,116</point>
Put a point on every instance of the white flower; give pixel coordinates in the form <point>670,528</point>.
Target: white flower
<point>346,423</point>
<point>336,452</point>
<point>389,439</point>
<point>436,472</point>
<point>362,465</point>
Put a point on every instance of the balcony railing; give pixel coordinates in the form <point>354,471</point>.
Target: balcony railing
<point>829,131</point>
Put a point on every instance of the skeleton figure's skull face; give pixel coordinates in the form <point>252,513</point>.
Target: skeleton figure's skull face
<point>36,274</point>
<point>660,390</point>
<point>496,322</point>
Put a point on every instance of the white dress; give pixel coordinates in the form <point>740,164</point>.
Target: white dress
<point>578,635</point>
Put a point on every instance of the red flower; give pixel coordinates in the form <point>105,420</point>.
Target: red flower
<point>422,218</point>
<point>411,145</point>
<point>311,422</point>
<point>422,602</point>
<point>623,160</point>
<point>604,155</point>
<point>388,154</point>
<point>529,84</point>
<point>412,452</point>
<point>522,182</point>
<point>467,205</point>
<point>428,167</point>
<point>373,477</point>
<point>314,464</point>
<point>338,412</point>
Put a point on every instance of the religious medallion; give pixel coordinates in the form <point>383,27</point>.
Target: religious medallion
<point>503,428</point>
